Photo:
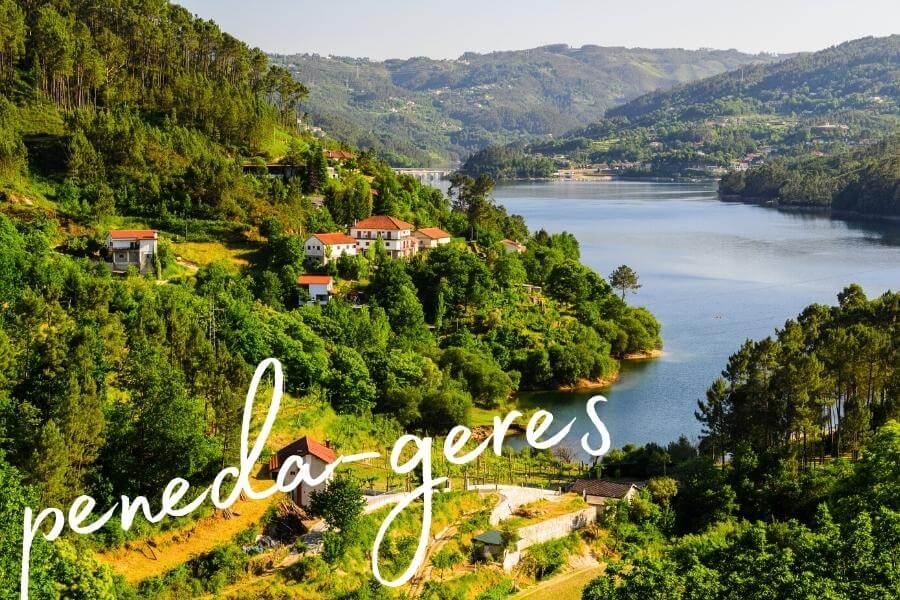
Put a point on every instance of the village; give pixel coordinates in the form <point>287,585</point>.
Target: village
<point>137,249</point>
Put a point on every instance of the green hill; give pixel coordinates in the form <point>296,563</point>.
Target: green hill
<point>824,102</point>
<point>424,111</point>
<point>862,74</point>
<point>865,181</point>
<point>136,116</point>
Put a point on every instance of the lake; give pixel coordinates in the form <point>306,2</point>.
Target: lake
<point>714,274</point>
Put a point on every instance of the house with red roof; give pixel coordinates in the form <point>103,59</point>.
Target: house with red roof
<point>431,237</point>
<point>131,248</point>
<point>395,234</point>
<point>339,155</point>
<point>512,246</point>
<point>325,247</point>
<point>319,287</point>
<point>314,453</point>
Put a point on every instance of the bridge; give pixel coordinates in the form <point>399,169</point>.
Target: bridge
<point>426,175</point>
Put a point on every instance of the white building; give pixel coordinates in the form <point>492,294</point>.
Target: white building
<point>320,287</point>
<point>431,237</point>
<point>315,454</point>
<point>396,235</point>
<point>510,246</point>
<point>325,247</point>
<point>132,248</point>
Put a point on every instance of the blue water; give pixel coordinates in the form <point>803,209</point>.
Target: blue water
<point>714,274</point>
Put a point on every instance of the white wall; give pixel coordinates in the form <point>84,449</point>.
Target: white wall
<point>302,494</point>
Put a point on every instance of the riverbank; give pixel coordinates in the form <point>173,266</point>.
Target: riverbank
<point>644,355</point>
<point>825,211</point>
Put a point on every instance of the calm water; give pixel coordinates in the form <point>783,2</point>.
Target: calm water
<point>713,273</point>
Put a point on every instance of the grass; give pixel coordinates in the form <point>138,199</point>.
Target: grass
<point>543,510</point>
<point>28,192</point>
<point>278,144</point>
<point>40,117</point>
<point>139,560</point>
<point>566,586</point>
<point>234,254</point>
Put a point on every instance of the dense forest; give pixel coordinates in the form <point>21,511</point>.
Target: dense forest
<point>503,162</point>
<point>827,101</point>
<point>795,491</point>
<point>422,111</point>
<point>864,182</point>
<point>139,115</point>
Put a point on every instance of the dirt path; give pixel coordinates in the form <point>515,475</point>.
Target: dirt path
<point>567,586</point>
<point>426,568</point>
<point>165,551</point>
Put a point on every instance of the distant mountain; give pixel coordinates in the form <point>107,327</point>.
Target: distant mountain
<point>824,102</point>
<point>423,111</point>
<point>861,74</point>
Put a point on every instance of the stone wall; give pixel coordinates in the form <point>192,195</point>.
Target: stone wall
<point>551,529</point>
<point>511,498</point>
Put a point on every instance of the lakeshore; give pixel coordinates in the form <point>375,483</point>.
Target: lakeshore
<point>715,273</point>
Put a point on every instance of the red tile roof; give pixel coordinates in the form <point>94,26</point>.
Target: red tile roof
<point>330,239</point>
<point>313,279</point>
<point>305,446</point>
<point>338,154</point>
<point>132,234</point>
<point>383,222</point>
<point>434,233</point>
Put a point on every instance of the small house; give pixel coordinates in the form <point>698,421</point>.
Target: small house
<point>599,492</point>
<point>338,155</point>
<point>319,287</point>
<point>314,453</point>
<point>325,247</point>
<point>431,237</point>
<point>132,248</point>
<point>511,246</point>
<point>488,545</point>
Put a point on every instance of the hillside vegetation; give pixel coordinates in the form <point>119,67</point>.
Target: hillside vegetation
<point>864,182</point>
<point>422,111</point>
<point>827,101</point>
<point>141,116</point>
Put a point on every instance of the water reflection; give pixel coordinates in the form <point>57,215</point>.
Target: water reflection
<point>714,273</point>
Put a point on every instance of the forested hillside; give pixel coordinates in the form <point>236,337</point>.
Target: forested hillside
<point>138,116</point>
<point>795,492</point>
<point>853,75</point>
<point>422,111</point>
<point>826,101</point>
<point>862,182</point>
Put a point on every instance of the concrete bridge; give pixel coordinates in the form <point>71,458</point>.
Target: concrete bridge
<point>426,175</point>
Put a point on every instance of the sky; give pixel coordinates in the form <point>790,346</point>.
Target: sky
<point>380,29</point>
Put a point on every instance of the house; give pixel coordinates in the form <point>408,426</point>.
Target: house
<point>488,545</point>
<point>339,155</point>
<point>320,287</point>
<point>599,492</point>
<point>396,235</point>
<point>324,247</point>
<point>313,453</point>
<point>132,248</point>
<point>510,246</point>
<point>431,237</point>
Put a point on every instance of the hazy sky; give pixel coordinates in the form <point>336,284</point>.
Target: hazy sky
<point>447,28</point>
